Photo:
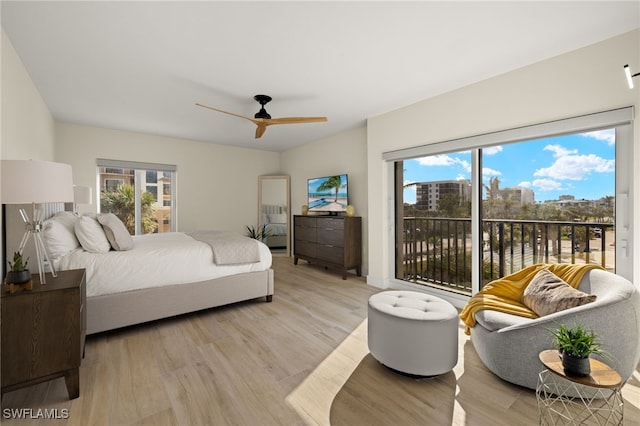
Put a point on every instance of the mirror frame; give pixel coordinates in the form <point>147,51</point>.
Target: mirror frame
<point>287,180</point>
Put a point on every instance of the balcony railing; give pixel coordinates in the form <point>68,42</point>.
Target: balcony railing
<point>437,251</point>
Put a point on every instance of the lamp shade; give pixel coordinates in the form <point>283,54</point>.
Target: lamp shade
<point>33,181</point>
<point>82,194</point>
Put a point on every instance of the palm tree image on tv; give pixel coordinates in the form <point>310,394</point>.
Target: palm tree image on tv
<point>333,183</point>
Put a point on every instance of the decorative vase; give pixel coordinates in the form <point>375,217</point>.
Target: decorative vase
<point>305,209</point>
<point>18,277</point>
<point>351,210</point>
<point>575,366</point>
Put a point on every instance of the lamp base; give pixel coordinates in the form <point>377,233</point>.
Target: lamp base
<point>34,227</point>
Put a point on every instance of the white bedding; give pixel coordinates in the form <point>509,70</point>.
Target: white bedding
<point>155,260</point>
<point>276,228</point>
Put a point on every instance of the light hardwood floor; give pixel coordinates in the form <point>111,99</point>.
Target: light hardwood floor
<point>300,360</point>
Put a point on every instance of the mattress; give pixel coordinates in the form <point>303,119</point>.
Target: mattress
<point>155,260</point>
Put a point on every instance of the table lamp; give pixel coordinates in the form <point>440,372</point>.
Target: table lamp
<point>35,182</point>
<point>81,195</point>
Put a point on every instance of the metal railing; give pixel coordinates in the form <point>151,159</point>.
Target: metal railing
<point>437,251</point>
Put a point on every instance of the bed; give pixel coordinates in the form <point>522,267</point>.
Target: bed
<point>135,279</point>
<point>274,220</point>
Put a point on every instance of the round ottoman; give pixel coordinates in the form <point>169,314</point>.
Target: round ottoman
<point>414,333</point>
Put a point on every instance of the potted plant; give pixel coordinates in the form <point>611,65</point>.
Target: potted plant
<point>575,345</point>
<point>258,234</point>
<point>18,272</point>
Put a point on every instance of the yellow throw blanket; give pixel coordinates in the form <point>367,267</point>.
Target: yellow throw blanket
<point>505,294</point>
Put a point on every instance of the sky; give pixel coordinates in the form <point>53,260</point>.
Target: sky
<point>582,165</point>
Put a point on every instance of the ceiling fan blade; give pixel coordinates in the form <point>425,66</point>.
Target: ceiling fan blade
<point>294,120</point>
<point>260,129</point>
<point>262,123</point>
<point>253,120</point>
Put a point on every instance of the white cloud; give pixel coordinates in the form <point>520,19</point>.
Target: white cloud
<point>608,135</point>
<point>525,184</point>
<point>437,160</point>
<point>560,151</point>
<point>444,160</point>
<point>490,172</point>
<point>409,192</point>
<point>492,150</point>
<point>576,167</point>
<point>547,185</point>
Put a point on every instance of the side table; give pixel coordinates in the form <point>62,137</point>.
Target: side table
<point>572,400</point>
<point>43,332</point>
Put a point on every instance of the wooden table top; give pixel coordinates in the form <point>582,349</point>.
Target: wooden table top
<point>602,376</point>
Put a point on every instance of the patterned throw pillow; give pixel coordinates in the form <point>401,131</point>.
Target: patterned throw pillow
<point>547,293</point>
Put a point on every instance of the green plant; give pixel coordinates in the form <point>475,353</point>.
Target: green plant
<point>19,264</point>
<point>576,341</point>
<point>121,202</point>
<point>257,234</point>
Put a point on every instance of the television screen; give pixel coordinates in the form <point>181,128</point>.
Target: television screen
<point>328,194</point>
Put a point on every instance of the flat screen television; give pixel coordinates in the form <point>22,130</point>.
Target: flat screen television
<point>329,194</point>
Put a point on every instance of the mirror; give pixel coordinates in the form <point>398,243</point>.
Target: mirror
<point>274,212</point>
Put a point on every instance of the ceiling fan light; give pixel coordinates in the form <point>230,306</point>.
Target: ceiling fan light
<point>262,114</point>
<point>627,72</point>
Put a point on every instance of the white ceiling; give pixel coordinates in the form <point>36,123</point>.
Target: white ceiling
<point>142,66</point>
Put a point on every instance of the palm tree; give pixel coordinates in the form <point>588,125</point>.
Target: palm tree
<point>121,202</point>
<point>333,182</point>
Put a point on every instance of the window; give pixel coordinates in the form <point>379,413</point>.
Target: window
<point>130,191</point>
<point>551,193</point>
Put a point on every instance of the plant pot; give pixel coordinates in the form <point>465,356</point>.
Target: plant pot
<point>575,366</point>
<point>18,277</point>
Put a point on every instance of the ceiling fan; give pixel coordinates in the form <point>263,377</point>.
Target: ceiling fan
<point>262,119</point>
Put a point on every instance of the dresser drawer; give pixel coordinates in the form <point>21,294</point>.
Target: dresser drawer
<point>305,234</point>
<point>305,249</point>
<point>309,222</point>
<point>331,223</point>
<point>331,254</point>
<point>331,237</point>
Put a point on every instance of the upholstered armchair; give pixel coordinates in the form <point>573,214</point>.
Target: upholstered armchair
<point>509,345</point>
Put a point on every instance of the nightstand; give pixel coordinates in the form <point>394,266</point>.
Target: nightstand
<point>43,332</point>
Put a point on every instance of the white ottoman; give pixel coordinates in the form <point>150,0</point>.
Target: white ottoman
<point>414,333</point>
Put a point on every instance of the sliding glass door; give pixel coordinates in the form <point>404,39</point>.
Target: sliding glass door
<point>474,215</point>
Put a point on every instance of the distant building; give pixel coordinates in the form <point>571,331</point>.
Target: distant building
<point>428,193</point>
<point>571,202</point>
<point>518,194</point>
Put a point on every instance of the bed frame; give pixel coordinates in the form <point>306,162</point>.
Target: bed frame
<point>134,307</point>
<point>117,310</point>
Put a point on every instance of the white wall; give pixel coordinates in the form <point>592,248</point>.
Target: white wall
<point>584,81</point>
<point>27,125</point>
<point>345,153</point>
<point>217,186</point>
<point>27,131</point>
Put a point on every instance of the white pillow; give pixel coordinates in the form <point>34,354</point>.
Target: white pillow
<point>59,234</point>
<point>278,218</point>
<point>91,235</point>
<point>116,232</point>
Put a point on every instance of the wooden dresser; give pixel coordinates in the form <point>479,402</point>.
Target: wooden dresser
<point>43,332</point>
<point>329,241</point>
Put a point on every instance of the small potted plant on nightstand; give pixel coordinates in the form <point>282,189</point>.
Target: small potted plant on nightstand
<point>575,345</point>
<point>18,273</point>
